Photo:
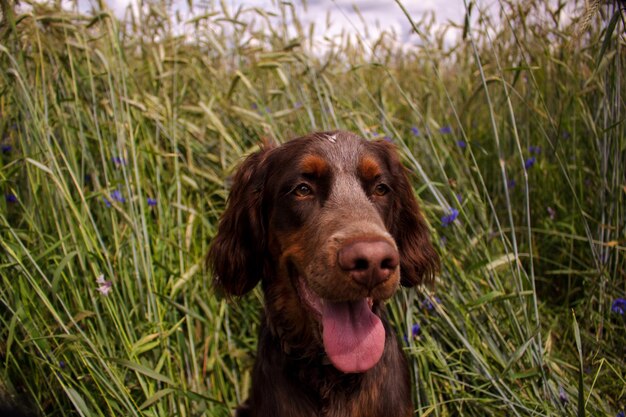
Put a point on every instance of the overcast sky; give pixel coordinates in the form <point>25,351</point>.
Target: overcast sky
<point>379,15</point>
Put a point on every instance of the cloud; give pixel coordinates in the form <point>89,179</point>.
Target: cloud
<point>373,17</point>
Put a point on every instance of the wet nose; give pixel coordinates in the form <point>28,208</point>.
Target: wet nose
<point>369,263</point>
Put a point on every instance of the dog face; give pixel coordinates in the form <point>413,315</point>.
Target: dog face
<point>329,223</point>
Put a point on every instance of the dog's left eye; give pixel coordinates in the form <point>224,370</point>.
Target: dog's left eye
<point>381,189</point>
<point>303,190</point>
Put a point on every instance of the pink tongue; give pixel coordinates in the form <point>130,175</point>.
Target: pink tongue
<point>354,337</point>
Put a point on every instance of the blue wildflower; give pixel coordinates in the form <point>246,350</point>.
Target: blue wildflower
<point>415,131</point>
<point>619,306</point>
<point>459,197</point>
<point>152,202</point>
<point>563,396</point>
<point>375,134</point>
<point>530,162</point>
<point>387,139</point>
<point>106,202</point>
<point>510,183</point>
<point>534,149</point>
<point>118,161</point>
<point>448,219</point>
<point>446,130</point>
<point>428,304</point>
<point>551,213</point>
<point>621,414</point>
<point>10,198</point>
<point>254,106</point>
<point>117,196</point>
<point>62,364</point>
<point>415,331</point>
<point>6,148</point>
<point>461,144</point>
<point>298,104</point>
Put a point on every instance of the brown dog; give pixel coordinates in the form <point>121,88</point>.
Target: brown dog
<point>329,224</point>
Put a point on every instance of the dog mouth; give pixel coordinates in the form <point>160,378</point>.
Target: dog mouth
<point>352,334</point>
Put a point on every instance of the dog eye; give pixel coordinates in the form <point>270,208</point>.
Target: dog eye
<point>302,190</point>
<point>381,189</point>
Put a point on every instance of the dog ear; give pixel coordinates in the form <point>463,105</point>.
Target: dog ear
<point>237,254</point>
<point>418,260</point>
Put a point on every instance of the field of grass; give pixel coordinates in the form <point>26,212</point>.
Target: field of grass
<point>118,139</point>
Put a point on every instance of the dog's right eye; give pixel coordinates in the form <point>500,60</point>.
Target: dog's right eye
<point>303,190</point>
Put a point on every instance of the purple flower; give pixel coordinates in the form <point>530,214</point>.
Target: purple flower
<point>530,162</point>
<point>254,106</point>
<point>415,131</point>
<point>152,202</point>
<point>375,134</point>
<point>448,219</point>
<point>565,134</point>
<point>118,161</point>
<point>461,144</point>
<point>551,213</point>
<point>117,196</point>
<point>428,304</point>
<point>104,286</point>
<point>415,331</point>
<point>10,198</point>
<point>619,306</point>
<point>387,139</point>
<point>298,104</point>
<point>563,396</point>
<point>534,149</point>
<point>446,130</point>
<point>510,183</point>
<point>106,202</point>
<point>6,148</point>
<point>459,197</point>
<point>620,414</point>
<point>62,364</point>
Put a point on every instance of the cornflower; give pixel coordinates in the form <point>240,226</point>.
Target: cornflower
<point>619,306</point>
<point>448,219</point>
<point>530,162</point>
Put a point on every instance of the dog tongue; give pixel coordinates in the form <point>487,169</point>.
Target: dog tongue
<point>354,337</point>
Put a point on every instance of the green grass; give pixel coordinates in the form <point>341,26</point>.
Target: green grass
<point>97,116</point>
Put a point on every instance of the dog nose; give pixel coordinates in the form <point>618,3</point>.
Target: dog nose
<point>369,263</point>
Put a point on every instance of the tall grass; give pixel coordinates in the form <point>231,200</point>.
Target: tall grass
<point>119,137</point>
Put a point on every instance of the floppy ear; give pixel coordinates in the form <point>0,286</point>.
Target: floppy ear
<point>237,254</point>
<point>418,260</point>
